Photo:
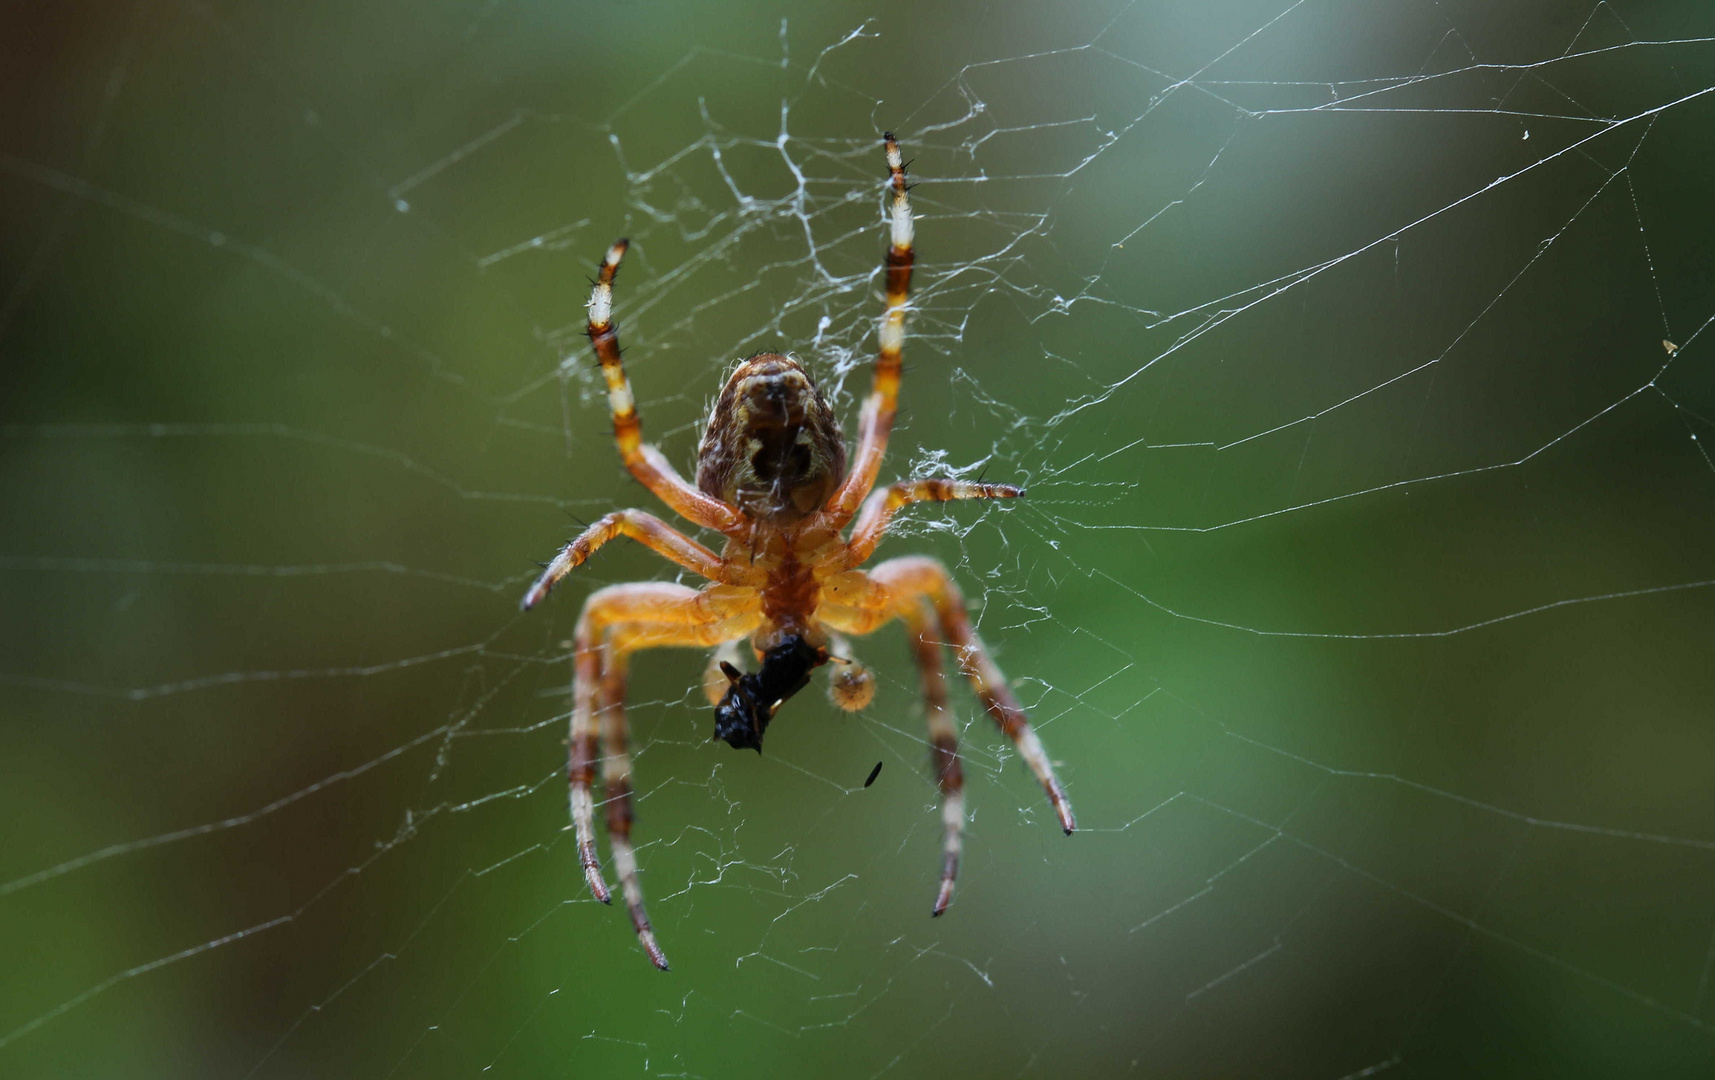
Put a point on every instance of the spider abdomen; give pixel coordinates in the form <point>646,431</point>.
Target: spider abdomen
<point>773,447</point>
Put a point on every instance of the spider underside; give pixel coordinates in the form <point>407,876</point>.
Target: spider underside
<point>773,478</point>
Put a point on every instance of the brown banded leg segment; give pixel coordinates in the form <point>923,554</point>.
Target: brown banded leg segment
<point>616,778</point>
<point>656,602</point>
<point>646,463</point>
<point>943,747</point>
<point>615,622</point>
<point>879,510</point>
<point>875,421</point>
<point>581,755</point>
<point>914,576</point>
<point>646,529</point>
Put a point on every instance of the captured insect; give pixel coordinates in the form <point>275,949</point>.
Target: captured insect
<point>773,478</point>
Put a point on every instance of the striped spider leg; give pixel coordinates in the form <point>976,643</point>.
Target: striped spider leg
<point>920,592</point>
<point>616,622</point>
<point>619,620</point>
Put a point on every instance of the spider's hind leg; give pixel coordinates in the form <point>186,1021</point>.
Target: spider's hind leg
<point>875,420</point>
<point>645,462</point>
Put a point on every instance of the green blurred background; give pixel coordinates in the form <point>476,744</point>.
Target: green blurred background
<point>1363,588</point>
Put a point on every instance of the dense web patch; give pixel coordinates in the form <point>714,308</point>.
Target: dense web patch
<point>1354,357</point>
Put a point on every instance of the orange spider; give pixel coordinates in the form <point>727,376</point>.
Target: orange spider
<point>772,479</point>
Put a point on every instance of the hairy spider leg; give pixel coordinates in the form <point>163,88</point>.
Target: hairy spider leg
<point>875,421</point>
<point>646,463</point>
<point>913,577</point>
<point>616,622</point>
<point>581,757</point>
<point>879,510</point>
<point>605,607</point>
<point>646,529</point>
<point>616,782</point>
<point>943,744</point>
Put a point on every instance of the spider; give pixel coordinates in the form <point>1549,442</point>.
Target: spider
<point>773,478</point>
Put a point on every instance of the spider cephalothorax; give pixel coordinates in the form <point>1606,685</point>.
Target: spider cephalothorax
<point>773,448</point>
<point>772,479</point>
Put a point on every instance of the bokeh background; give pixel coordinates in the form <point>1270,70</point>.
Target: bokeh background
<point>1354,353</point>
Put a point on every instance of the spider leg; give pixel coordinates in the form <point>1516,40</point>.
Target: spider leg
<point>879,510</point>
<point>646,529</point>
<point>875,422</point>
<point>646,463</point>
<point>943,746</point>
<point>615,622</point>
<point>907,579</point>
<point>616,779</point>
<point>580,759</point>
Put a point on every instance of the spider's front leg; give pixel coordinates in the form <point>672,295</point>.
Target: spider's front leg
<point>906,581</point>
<point>616,780</point>
<point>616,622</point>
<point>943,747</point>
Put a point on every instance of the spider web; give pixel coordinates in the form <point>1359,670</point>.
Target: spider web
<point>1355,357</point>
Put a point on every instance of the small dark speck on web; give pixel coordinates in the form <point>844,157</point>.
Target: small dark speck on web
<point>873,773</point>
